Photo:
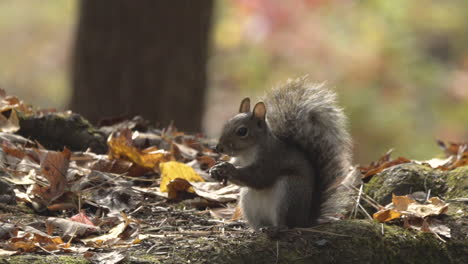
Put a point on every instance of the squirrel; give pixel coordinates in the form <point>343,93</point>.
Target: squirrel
<point>292,156</point>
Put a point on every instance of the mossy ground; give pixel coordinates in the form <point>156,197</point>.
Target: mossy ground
<point>190,236</point>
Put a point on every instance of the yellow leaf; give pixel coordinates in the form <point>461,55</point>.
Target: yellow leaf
<point>386,215</point>
<point>121,146</point>
<point>172,169</point>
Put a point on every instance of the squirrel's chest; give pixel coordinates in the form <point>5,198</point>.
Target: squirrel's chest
<point>261,207</point>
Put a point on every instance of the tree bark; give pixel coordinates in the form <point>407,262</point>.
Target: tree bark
<point>144,58</point>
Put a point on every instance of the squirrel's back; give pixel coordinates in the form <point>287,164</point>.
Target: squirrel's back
<point>307,115</point>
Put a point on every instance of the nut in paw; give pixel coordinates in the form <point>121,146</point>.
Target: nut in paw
<point>222,171</point>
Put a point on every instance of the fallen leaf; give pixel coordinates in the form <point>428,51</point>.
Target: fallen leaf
<point>383,163</point>
<point>11,102</point>
<point>424,210</point>
<point>121,234</point>
<point>81,217</point>
<point>69,227</point>
<point>223,213</point>
<point>105,258</point>
<point>206,162</point>
<point>401,203</point>
<point>54,166</point>
<point>7,230</point>
<point>412,212</point>
<point>121,147</point>
<point>457,153</point>
<point>438,227</point>
<point>6,253</point>
<point>216,191</point>
<point>386,215</point>
<point>31,240</point>
<point>172,169</point>
<point>10,124</point>
<point>12,150</point>
<point>177,187</point>
<point>237,214</point>
<point>186,151</point>
<point>111,238</point>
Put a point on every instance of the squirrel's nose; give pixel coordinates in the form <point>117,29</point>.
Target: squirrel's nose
<point>219,148</point>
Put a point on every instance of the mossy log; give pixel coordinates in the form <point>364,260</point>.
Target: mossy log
<point>58,130</point>
<point>348,241</point>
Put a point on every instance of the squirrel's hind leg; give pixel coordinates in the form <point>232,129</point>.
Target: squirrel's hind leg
<point>295,206</point>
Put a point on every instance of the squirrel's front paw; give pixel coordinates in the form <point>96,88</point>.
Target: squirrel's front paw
<point>222,171</point>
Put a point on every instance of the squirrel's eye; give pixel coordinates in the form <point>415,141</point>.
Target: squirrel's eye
<point>242,131</point>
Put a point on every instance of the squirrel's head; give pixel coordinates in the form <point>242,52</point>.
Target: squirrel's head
<point>245,130</point>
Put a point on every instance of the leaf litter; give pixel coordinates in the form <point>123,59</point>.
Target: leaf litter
<point>85,201</point>
<point>150,185</point>
<point>422,215</point>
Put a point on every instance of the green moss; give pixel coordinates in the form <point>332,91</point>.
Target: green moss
<point>405,179</point>
<point>37,259</point>
<point>457,182</point>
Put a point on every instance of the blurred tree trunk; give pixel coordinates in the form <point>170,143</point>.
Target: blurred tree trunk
<point>144,58</point>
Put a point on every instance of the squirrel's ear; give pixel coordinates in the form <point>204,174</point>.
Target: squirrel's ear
<point>245,106</point>
<point>259,110</point>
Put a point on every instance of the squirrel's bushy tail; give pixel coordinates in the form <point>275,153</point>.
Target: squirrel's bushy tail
<point>307,115</point>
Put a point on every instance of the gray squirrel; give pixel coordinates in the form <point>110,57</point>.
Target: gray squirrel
<point>292,155</point>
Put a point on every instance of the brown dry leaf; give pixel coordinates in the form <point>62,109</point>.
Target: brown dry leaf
<point>12,150</point>
<point>108,239</point>
<point>386,215</point>
<point>216,191</point>
<point>186,151</point>
<point>206,162</point>
<point>376,164</point>
<point>59,206</point>
<point>237,214</point>
<point>176,187</point>
<point>23,244</point>
<point>121,234</point>
<point>436,201</point>
<point>106,258</point>
<point>458,152</point>
<point>116,166</point>
<point>69,227</point>
<point>32,241</point>
<point>428,225</point>
<point>451,148</point>
<point>401,203</point>
<point>439,228</point>
<point>424,210</point>
<point>10,124</point>
<point>383,163</point>
<point>49,243</point>
<point>172,170</point>
<point>405,207</point>
<point>122,147</point>
<point>12,102</point>
<point>228,213</point>
<point>54,166</point>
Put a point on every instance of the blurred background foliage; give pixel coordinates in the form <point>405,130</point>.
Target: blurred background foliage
<point>400,67</point>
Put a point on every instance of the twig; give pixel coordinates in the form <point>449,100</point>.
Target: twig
<point>277,251</point>
<point>358,199</point>
<point>318,231</point>
<point>368,199</point>
<point>151,248</point>
<point>437,235</point>
<point>365,212</point>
